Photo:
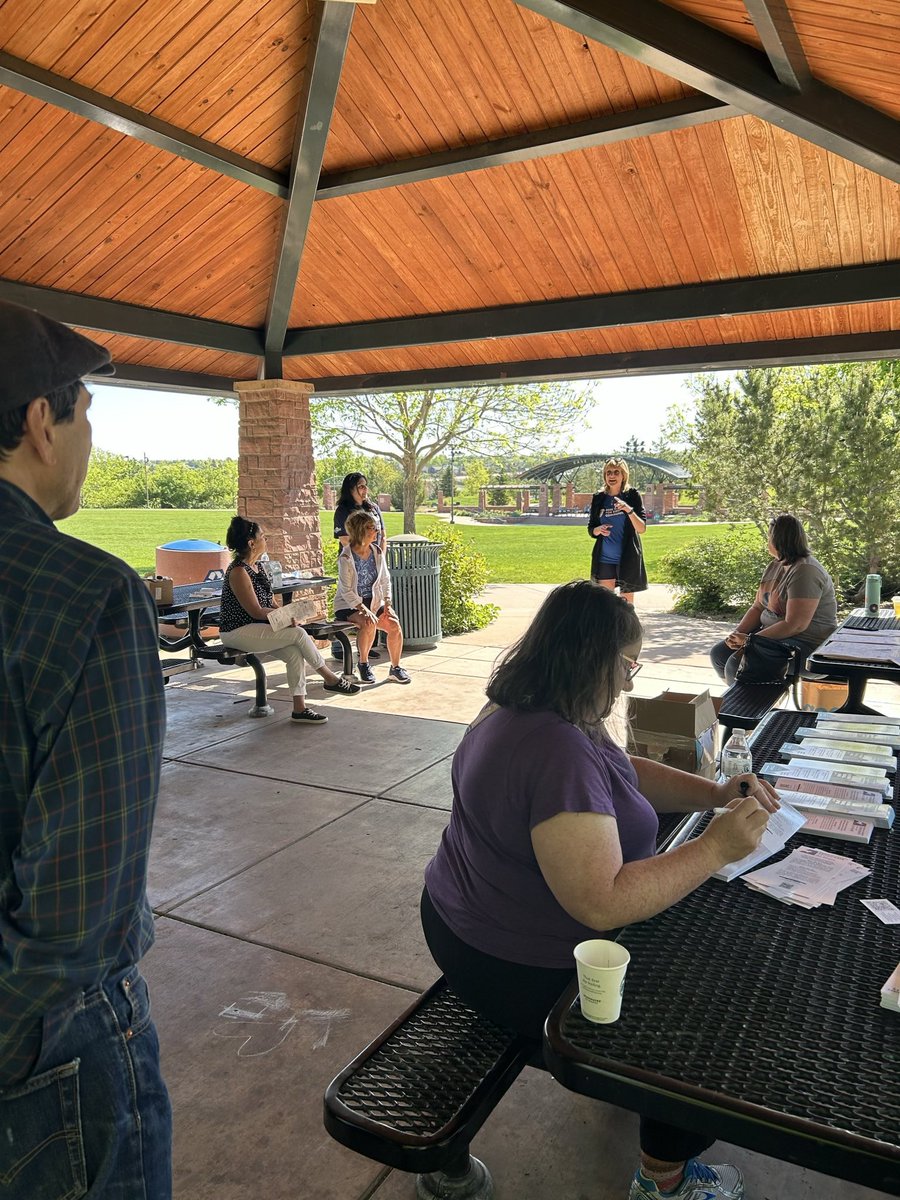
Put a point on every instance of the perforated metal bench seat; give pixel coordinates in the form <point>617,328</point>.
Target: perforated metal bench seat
<point>416,1096</point>
<point>745,704</point>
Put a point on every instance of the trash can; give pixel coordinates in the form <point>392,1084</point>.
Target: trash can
<point>191,560</point>
<point>414,564</point>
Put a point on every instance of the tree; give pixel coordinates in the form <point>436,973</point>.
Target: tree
<point>414,428</point>
<point>821,442</point>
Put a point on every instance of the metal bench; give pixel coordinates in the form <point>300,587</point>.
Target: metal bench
<point>745,704</point>
<point>416,1097</point>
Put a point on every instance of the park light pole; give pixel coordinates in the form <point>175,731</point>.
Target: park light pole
<point>452,485</point>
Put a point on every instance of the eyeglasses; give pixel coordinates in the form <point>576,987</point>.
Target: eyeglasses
<point>632,666</point>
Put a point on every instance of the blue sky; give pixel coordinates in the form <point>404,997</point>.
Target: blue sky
<point>166,425</point>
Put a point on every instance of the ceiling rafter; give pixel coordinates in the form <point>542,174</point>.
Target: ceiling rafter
<point>781,42</point>
<point>779,353</point>
<point>330,36</point>
<point>728,356</point>
<point>24,77</point>
<point>114,316</point>
<point>670,115</point>
<point>682,302</point>
<point>677,45</point>
<point>683,113</point>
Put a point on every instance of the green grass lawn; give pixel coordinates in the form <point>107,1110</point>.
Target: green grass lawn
<point>515,553</point>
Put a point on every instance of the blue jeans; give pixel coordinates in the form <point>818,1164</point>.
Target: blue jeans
<point>93,1118</point>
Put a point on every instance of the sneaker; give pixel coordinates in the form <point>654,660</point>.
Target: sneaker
<point>366,674</point>
<point>345,687</point>
<point>398,675</point>
<point>310,716</point>
<point>701,1182</point>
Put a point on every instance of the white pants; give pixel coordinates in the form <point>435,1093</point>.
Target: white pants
<point>293,645</point>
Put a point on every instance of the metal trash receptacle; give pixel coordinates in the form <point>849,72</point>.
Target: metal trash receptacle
<point>415,568</point>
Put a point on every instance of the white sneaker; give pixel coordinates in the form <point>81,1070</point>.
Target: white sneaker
<point>701,1182</point>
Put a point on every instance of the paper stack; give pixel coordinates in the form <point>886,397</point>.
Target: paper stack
<point>845,829</point>
<point>807,877</point>
<point>781,826</point>
<point>863,645</point>
<point>890,993</point>
<point>297,610</point>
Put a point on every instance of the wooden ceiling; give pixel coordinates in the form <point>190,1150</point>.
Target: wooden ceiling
<point>409,193</point>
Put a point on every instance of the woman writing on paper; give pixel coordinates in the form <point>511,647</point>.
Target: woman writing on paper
<point>795,604</point>
<point>552,839</point>
<point>616,521</point>
<point>247,599</point>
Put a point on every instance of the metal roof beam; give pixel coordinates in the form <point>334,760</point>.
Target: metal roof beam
<point>675,44</point>
<point>781,42</point>
<point>562,139</point>
<point>327,48</point>
<point>63,93</point>
<point>683,302</point>
<point>729,356</point>
<point>112,316</point>
<point>163,379</point>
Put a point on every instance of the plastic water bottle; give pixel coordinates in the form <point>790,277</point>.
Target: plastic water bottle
<point>873,594</point>
<point>736,756</point>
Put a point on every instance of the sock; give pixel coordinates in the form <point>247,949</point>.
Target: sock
<point>666,1175</point>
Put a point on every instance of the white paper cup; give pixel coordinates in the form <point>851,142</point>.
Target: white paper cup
<point>601,979</point>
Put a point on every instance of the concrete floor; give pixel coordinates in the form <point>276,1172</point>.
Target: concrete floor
<point>286,869</point>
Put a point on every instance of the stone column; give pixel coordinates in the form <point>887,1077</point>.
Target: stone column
<point>276,473</point>
<point>441,506</point>
<point>482,499</point>
<point>329,497</point>
<point>570,495</point>
<point>543,501</point>
<point>557,497</point>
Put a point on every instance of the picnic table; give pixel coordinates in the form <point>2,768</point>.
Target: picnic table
<point>757,1022</point>
<point>199,602</point>
<point>858,672</point>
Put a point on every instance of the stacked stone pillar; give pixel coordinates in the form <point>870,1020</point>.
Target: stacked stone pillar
<point>276,472</point>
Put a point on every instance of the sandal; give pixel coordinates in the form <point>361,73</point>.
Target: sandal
<point>345,687</point>
<point>309,715</point>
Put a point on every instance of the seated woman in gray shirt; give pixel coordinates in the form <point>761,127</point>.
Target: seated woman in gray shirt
<point>795,603</point>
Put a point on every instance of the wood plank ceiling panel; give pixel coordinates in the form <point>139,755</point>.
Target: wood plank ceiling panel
<point>422,76</point>
<point>740,198</point>
<point>712,332</point>
<point>85,209</point>
<point>146,353</point>
<point>852,45</point>
<point>229,71</point>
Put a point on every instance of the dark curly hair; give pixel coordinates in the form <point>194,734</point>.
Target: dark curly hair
<point>347,497</point>
<point>568,660</point>
<point>240,531</point>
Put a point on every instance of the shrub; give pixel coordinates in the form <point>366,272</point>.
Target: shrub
<point>464,573</point>
<point>714,575</point>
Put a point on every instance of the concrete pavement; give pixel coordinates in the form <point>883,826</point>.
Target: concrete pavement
<point>286,870</point>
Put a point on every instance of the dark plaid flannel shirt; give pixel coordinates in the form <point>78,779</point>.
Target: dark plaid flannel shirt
<point>82,716</point>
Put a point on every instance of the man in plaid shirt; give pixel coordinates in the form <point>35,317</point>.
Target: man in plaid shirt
<point>83,1107</point>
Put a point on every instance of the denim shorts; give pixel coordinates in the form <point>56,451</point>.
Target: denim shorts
<point>93,1118</point>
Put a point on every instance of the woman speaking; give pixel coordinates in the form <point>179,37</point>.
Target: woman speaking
<point>616,522</point>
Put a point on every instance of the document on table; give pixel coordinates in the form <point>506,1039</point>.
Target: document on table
<point>808,877</point>
<point>297,610</point>
<point>863,646</point>
<point>782,826</point>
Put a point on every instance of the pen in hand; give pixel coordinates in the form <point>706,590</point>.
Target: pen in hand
<point>745,792</point>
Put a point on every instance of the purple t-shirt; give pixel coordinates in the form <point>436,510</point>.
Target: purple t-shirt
<point>510,773</point>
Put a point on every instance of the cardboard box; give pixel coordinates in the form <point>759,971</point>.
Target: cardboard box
<point>160,588</point>
<point>817,694</point>
<point>676,728</point>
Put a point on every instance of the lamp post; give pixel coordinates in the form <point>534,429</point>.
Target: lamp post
<point>452,485</point>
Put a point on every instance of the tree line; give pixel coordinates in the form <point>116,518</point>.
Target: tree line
<point>116,481</point>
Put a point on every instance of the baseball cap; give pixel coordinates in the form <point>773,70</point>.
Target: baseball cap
<point>39,355</point>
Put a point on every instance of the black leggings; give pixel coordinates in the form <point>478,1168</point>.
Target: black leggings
<point>519,997</point>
